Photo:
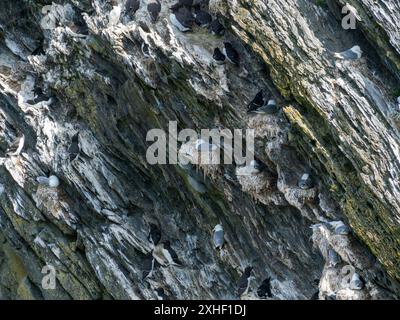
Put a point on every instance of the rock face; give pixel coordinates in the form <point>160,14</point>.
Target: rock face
<point>84,82</point>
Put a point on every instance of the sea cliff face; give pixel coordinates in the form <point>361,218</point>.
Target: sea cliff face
<point>94,73</point>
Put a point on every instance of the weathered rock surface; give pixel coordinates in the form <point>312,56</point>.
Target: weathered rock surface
<point>83,70</point>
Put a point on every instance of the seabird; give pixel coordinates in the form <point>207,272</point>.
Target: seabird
<point>333,258</point>
<point>165,255</point>
<point>182,3</point>
<point>154,8</point>
<point>218,237</point>
<point>340,228</point>
<point>148,266</point>
<point>74,149</point>
<point>264,290</point>
<point>202,145</point>
<point>306,182</point>
<point>216,28</point>
<point>257,102</point>
<point>356,282</point>
<point>353,53</point>
<point>52,181</point>
<point>182,19</point>
<point>255,167</point>
<point>269,108</point>
<point>218,56</point>
<point>161,294</point>
<point>39,96</point>
<point>154,234</point>
<point>244,281</point>
<point>16,146</point>
<point>114,16</point>
<point>231,53</point>
<point>202,18</point>
<point>131,6</point>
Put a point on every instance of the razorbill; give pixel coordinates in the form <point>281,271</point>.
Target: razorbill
<point>216,28</point>
<point>202,18</point>
<point>269,108</point>
<point>74,149</point>
<point>154,8</point>
<point>182,19</point>
<point>154,234</point>
<point>218,56</point>
<point>356,282</point>
<point>264,290</point>
<point>243,283</point>
<point>231,53</point>
<point>257,102</point>
<point>131,6</point>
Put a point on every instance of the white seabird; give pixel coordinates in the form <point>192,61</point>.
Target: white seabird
<point>52,181</point>
<point>353,53</point>
<point>218,237</point>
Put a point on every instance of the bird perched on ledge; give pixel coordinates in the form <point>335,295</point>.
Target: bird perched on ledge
<point>154,8</point>
<point>52,181</point>
<point>353,53</point>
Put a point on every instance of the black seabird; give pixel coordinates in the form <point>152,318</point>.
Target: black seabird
<point>182,19</point>
<point>154,8</point>
<point>218,56</point>
<point>148,266</point>
<point>231,53</point>
<point>264,290</point>
<point>170,254</point>
<point>39,96</point>
<point>154,234</point>
<point>182,3</point>
<point>216,28</point>
<point>161,294</point>
<point>244,281</point>
<point>257,102</point>
<point>306,182</point>
<point>131,6</point>
<point>74,149</point>
<point>202,18</point>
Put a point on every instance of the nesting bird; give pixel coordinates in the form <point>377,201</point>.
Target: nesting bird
<point>353,53</point>
<point>165,255</point>
<point>356,282</point>
<point>74,149</point>
<point>333,258</point>
<point>218,56</point>
<point>269,108</point>
<point>231,53</point>
<point>16,146</point>
<point>218,237</point>
<point>339,227</point>
<point>131,6</point>
<point>306,182</point>
<point>264,290</point>
<point>39,96</point>
<point>202,18</point>
<point>216,28</point>
<point>182,19</point>
<point>154,234</point>
<point>255,167</point>
<point>52,181</point>
<point>182,3</point>
<point>202,145</point>
<point>161,295</point>
<point>148,266</point>
<point>257,102</point>
<point>243,283</point>
<point>154,8</point>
